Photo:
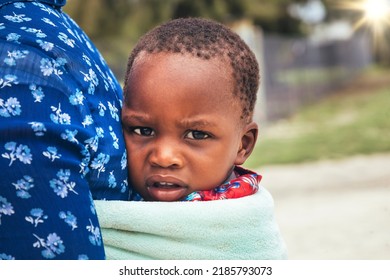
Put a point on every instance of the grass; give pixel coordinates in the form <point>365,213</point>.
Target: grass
<point>311,76</point>
<point>354,120</point>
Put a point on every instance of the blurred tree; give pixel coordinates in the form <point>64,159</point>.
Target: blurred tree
<point>107,18</point>
<point>115,26</point>
<point>99,18</point>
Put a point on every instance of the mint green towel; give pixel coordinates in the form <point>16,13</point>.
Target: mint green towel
<point>232,229</point>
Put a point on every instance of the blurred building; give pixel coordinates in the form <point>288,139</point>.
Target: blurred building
<point>299,71</point>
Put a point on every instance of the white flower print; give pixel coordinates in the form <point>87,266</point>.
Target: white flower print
<point>82,257</point>
<point>106,84</point>
<point>101,72</point>
<point>99,162</point>
<point>100,132</point>
<point>92,79</point>
<point>48,21</point>
<point>92,143</point>
<point>95,238</point>
<point>91,89</point>
<point>23,185</point>
<point>124,161</point>
<point>38,127</point>
<point>59,117</point>
<point>72,32</point>
<point>37,217</point>
<point>21,152</point>
<point>46,9</point>
<point>88,45</point>
<point>53,66</point>
<point>6,208</point>
<point>111,82</point>
<point>84,169</point>
<point>15,55</point>
<point>61,185</point>
<point>68,218</point>
<point>114,137</point>
<point>37,93</point>
<point>92,204</point>
<point>111,180</point>
<point>10,146</point>
<point>64,38</point>
<point>47,46</point>
<point>124,186</point>
<point>88,120</point>
<point>13,37</point>
<point>114,111</point>
<point>87,59</point>
<point>38,33</point>
<point>8,80</point>
<point>17,18</point>
<point>70,136</point>
<point>77,98</point>
<point>102,109</point>
<point>10,108</point>
<point>53,245</point>
<point>51,153</point>
<point>6,257</point>
<point>19,5</point>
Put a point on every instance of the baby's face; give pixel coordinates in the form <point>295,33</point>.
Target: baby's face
<point>182,125</point>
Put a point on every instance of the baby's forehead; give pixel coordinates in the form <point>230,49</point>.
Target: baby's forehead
<point>219,60</point>
<point>165,66</point>
<point>219,75</point>
<point>189,63</point>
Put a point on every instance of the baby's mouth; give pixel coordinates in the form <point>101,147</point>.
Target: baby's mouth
<point>164,185</point>
<point>172,190</point>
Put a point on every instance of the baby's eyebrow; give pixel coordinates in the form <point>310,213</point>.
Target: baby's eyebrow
<point>196,123</point>
<point>135,117</point>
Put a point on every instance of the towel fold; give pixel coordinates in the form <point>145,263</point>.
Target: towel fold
<point>243,228</point>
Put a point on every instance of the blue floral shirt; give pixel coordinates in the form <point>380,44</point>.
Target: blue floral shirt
<point>61,143</point>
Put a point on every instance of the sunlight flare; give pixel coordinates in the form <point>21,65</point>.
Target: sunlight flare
<point>375,14</point>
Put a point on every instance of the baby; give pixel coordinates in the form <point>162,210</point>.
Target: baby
<point>189,96</point>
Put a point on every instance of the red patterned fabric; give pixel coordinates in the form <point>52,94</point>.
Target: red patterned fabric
<point>246,183</point>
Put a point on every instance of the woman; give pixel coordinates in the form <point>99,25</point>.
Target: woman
<point>61,142</point>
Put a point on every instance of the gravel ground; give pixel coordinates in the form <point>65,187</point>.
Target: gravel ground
<point>333,210</point>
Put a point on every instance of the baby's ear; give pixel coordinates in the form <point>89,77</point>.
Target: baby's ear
<point>248,141</point>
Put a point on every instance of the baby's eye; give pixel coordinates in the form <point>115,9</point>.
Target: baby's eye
<point>143,131</point>
<point>197,135</point>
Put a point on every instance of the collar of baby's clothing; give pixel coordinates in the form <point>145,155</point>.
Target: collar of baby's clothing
<point>55,3</point>
<point>240,183</point>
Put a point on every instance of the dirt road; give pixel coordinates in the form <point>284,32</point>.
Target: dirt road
<point>333,210</point>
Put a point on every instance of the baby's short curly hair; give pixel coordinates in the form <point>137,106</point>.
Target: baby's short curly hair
<point>205,39</point>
